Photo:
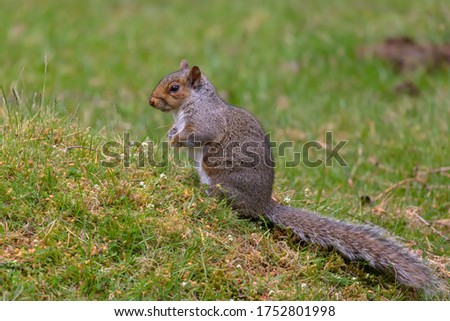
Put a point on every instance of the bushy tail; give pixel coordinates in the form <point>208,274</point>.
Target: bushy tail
<point>357,242</point>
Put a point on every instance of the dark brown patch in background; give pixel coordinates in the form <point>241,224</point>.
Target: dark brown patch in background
<point>405,54</point>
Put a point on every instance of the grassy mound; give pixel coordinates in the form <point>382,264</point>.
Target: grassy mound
<point>73,228</point>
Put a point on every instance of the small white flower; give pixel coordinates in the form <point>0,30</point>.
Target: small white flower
<point>271,292</point>
<point>183,284</point>
<point>230,238</point>
<point>163,176</point>
<point>307,192</point>
<point>142,184</point>
<point>150,205</point>
<point>287,199</point>
<point>304,285</point>
<point>238,266</point>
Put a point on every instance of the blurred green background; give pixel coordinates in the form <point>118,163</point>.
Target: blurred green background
<point>292,63</point>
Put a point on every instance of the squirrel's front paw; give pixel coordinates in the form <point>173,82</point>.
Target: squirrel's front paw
<point>172,132</point>
<point>182,138</point>
<point>175,140</point>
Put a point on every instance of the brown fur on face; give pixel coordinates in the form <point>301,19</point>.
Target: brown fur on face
<point>172,100</point>
<point>165,98</point>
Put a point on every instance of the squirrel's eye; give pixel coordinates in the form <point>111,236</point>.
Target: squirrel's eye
<point>174,88</point>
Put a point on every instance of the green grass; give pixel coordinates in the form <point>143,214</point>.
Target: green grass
<point>76,75</point>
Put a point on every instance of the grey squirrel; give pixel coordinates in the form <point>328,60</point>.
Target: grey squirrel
<point>233,157</point>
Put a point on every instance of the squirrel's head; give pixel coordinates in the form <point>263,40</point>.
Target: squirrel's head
<point>175,89</point>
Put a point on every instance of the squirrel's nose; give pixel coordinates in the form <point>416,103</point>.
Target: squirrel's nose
<point>152,101</point>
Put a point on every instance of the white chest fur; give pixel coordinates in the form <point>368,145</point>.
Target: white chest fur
<point>179,117</point>
<point>198,161</point>
<point>195,153</point>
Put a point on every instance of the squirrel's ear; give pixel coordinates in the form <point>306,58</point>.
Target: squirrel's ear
<point>184,64</point>
<point>194,76</point>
